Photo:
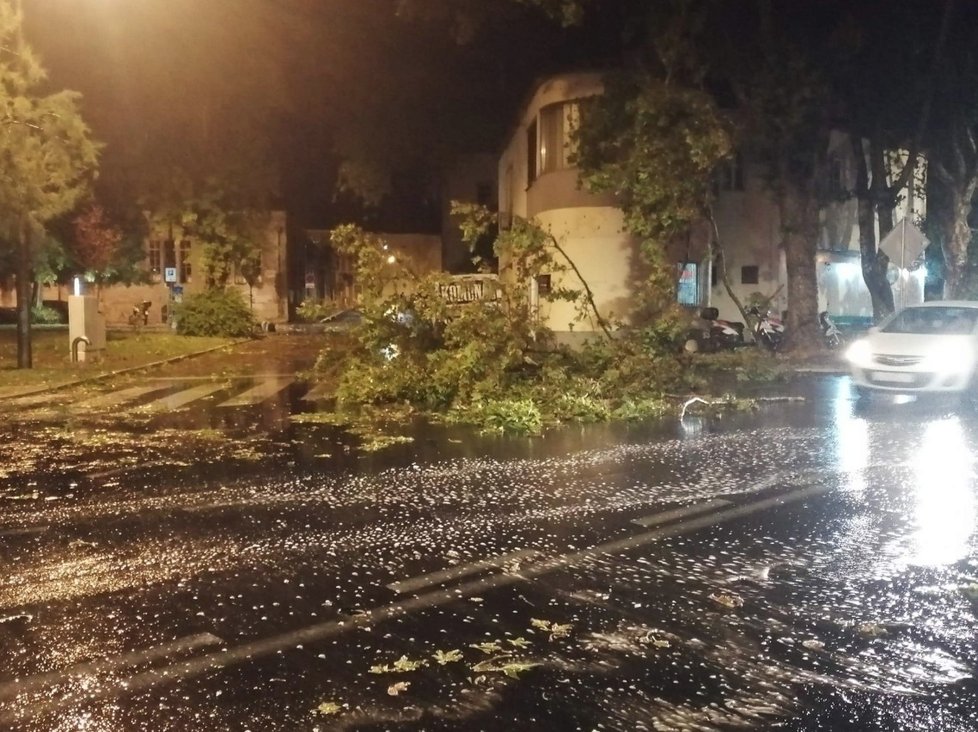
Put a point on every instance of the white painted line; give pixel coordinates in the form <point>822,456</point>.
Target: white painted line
<point>30,401</point>
<point>109,473</point>
<point>18,687</point>
<point>265,389</point>
<point>119,397</point>
<point>683,527</point>
<point>229,377</point>
<point>28,531</point>
<point>677,513</point>
<point>453,573</point>
<point>201,665</point>
<point>182,398</point>
<point>318,393</point>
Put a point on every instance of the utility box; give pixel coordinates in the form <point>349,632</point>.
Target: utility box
<point>86,322</point>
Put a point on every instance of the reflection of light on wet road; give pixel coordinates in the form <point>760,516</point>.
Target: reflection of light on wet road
<point>852,443</point>
<point>945,510</point>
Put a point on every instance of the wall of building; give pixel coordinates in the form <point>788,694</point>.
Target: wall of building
<point>592,238</point>
<point>267,298</point>
<point>334,277</point>
<point>589,227</point>
<point>750,234</point>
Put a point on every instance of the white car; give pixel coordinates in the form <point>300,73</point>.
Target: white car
<point>928,348</point>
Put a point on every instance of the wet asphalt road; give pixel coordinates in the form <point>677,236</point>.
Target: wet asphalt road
<point>811,566</point>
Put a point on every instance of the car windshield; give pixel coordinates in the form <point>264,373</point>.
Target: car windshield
<point>935,320</point>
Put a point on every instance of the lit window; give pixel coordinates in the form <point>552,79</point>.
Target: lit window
<point>155,256</point>
<point>558,122</point>
<point>186,268</point>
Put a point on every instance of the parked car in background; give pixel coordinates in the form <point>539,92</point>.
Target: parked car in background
<point>928,348</point>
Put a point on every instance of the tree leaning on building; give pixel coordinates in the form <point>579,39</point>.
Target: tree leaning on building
<point>49,158</point>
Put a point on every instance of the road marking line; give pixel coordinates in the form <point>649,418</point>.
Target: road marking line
<point>30,401</point>
<point>28,531</point>
<point>318,393</point>
<point>453,573</point>
<point>119,397</point>
<point>15,688</point>
<point>209,663</point>
<point>697,508</point>
<point>182,398</point>
<point>235,377</point>
<point>111,472</point>
<point>265,389</point>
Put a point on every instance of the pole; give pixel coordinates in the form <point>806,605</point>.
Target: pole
<point>24,356</point>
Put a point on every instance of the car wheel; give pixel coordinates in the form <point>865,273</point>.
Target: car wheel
<point>692,345</point>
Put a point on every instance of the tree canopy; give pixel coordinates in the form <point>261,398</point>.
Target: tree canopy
<point>48,156</point>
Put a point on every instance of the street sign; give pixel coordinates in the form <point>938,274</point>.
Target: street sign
<point>170,274</point>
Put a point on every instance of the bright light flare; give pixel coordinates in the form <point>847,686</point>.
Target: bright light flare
<point>946,510</point>
<point>860,354</point>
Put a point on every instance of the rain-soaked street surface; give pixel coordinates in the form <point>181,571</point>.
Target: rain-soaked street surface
<point>812,566</point>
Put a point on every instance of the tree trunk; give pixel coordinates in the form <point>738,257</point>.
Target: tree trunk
<point>24,284</point>
<point>874,262</point>
<point>800,226</point>
<point>957,240</point>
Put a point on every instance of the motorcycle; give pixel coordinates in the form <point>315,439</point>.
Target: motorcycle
<point>831,335</point>
<point>768,330</point>
<point>718,335</point>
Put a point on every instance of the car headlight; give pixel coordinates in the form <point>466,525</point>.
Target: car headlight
<point>950,358</point>
<point>859,353</point>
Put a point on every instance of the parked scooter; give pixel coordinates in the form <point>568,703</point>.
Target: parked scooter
<point>831,335</point>
<point>768,330</point>
<point>717,335</point>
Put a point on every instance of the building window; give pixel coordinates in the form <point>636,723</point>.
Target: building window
<point>750,275</point>
<point>531,153</point>
<point>155,256</point>
<point>169,254</point>
<point>730,175</point>
<point>186,268</point>
<point>687,289</point>
<point>558,122</point>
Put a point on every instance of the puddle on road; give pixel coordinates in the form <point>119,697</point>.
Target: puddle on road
<point>297,529</point>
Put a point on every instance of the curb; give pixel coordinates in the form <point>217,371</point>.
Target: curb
<point>118,372</point>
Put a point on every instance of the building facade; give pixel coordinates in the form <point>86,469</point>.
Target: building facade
<point>537,181</point>
<point>174,268</point>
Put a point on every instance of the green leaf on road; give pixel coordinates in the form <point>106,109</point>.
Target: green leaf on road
<point>328,708</point>
<point>489,647</point>
<point>445,657</point>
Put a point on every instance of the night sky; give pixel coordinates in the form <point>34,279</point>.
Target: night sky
<point>294,82</point>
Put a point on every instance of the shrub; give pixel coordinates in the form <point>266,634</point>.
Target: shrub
<point>44,315</point>
<point>315,311</point>
<point>215,313</point>
<point>519,416</point>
